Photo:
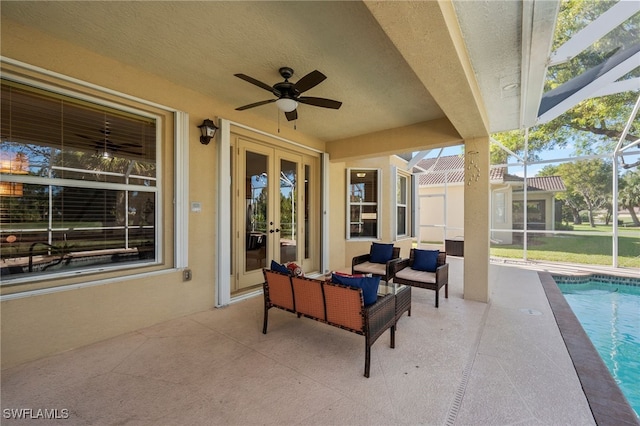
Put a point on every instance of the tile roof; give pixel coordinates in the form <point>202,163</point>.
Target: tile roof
<point>451,169</point>
<point>539,183</point>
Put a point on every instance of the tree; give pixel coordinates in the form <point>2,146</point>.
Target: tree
<point>629,194</point>
<point>595,125</point>
<point>570,198</point>
<point>588,184</point>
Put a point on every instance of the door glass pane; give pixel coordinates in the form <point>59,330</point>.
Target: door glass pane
<point>256,197</point>
<point>232,208</point>
<point>288,211</point>
<point>307,212</point>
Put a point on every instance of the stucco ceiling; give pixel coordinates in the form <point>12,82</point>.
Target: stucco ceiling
<point>391,64</point>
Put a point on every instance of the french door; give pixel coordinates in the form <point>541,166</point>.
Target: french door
<point>274,218</point>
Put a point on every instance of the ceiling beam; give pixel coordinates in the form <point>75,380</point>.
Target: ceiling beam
<point>538,25</point>
<point>416,137</point>
<point>427,34</point>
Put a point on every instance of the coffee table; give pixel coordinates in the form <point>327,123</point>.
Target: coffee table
<point>402,295</point>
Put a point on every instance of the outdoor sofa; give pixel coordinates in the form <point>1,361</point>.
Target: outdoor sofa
<point>338,305</point>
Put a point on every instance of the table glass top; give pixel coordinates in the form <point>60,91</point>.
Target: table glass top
<point>389,288</point>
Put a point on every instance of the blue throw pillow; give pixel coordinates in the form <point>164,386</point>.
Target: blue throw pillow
<point>369,286</point>
<point>381,253</point>
<point>275,266</point>
<point>425,260</point>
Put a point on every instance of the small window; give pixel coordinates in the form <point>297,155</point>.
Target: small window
<point>402,206</point>
<point>79,187</point>
<point>363,203</point>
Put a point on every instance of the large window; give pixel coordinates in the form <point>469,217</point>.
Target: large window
<point>363,203</point>
<point>536,218</point>
<point>79,187</point>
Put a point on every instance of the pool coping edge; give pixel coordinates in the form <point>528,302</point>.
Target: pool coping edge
<point>608,404</point>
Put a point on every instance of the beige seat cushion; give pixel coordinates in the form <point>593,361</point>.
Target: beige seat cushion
<point>419,276</point>
<point>371,268</point>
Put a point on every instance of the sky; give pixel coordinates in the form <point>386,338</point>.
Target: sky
<point>533,169</point>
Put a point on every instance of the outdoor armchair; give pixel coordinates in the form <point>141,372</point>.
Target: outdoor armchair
<point>425,269</point>
<point>378,261</point>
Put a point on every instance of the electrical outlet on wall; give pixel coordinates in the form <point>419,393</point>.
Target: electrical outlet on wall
<point>186,275</point>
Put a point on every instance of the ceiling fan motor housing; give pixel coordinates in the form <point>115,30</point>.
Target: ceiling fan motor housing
<point>286,72</point>
<point>285,90</point>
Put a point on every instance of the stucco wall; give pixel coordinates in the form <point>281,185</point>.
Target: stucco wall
<point>440,206</point>
<point>355,247</point>
<point>44,324</point>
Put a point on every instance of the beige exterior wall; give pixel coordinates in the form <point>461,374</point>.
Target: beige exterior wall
<point>432,212</point>
<point>342,250</point>
<point>336,212</point>
<point>44,324</point>
<point>97,308</point>
<point>501,198</point>
<point>443,224</point>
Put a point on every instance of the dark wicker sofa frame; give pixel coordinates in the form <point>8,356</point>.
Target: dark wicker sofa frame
<point>441,274</point>
<point>334,304</point>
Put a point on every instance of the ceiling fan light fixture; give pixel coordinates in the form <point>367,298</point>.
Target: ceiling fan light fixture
<point>286,104</point>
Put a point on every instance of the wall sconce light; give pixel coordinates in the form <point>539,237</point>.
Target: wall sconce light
<point>208,131</point>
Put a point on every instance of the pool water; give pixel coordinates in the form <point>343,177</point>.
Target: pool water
<point>610,315</point>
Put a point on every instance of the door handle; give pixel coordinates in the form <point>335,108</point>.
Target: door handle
<point>277,230</point>
<point>271,231</point>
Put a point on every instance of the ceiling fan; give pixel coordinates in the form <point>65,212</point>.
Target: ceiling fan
<point>288,94</point>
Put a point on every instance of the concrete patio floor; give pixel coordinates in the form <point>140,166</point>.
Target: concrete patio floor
<point>462,363</point>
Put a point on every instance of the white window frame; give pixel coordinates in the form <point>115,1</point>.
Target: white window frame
<point>398,175</point>
<point>180,180</point>
<point>377,203</point>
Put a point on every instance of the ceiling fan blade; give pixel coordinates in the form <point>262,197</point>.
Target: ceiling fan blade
<point>319,102</point>
<point>293,115</point>
<point>256,82</point>
<point>242,108</point>
<point>310,80</point>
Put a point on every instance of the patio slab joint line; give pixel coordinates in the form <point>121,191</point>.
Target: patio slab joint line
<point>462,386</point>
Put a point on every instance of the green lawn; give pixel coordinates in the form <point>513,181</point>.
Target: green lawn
<point>576,248</point>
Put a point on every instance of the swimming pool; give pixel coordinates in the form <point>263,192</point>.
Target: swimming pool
<point>609,310</point>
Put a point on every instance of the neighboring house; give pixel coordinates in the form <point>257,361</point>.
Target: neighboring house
<point>441,194</point>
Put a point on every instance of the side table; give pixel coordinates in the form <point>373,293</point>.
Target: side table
<point>402,294</point>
